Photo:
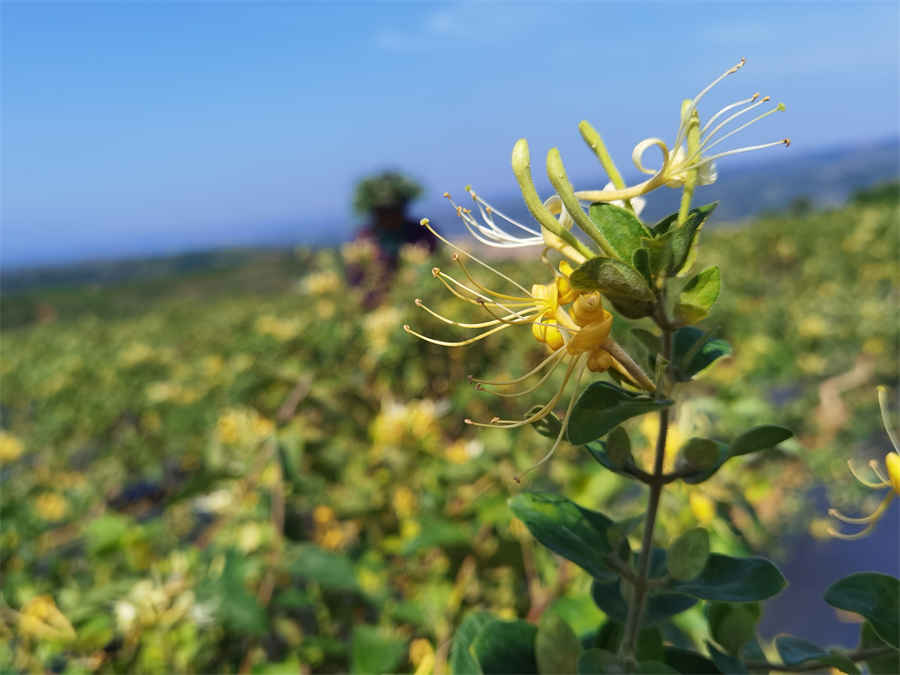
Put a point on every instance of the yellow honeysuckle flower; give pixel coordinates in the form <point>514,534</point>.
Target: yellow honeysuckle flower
<point>578,336</point>
<point>890,481</point>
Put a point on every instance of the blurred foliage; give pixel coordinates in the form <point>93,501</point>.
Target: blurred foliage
<point>243,470</point>
<point>388,189</point>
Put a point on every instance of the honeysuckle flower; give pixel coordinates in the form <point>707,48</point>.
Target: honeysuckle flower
<point>689,162</point>
<point>888,478</point>
<point>577,336</point>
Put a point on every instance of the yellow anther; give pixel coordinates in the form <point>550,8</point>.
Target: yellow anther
<point>424,222</point>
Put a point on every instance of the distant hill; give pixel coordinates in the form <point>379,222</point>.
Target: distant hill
<point>816,179</point>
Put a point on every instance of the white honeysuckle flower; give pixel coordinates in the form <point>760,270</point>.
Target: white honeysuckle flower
<point>690,151</point>
<point>689,154</point>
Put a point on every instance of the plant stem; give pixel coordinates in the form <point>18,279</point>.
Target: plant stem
<point>640,583</point>
<point>816,664</point>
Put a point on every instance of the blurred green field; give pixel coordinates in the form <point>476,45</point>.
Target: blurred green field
<point>242,467</point>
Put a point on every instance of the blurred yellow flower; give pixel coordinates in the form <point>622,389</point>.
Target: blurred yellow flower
<point>889,478</point>
<point>404,502</point>
<point>243,425</point>
<point>703,508</point>
<point>51,506</point>
<point>421,655</point>
<point>280,329</point>
<point>319,283</point>
<point>11,448</point>
<point>40,618</point>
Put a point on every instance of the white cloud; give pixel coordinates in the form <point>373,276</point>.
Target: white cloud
<point>464,24</point>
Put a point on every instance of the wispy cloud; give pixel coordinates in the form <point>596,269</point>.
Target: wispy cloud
<point>480,23</point>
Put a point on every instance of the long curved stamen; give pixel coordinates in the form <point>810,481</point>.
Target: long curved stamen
<point>778,108</point>
<point>515,322</point>
<point>427,225</point>
<point>499,383</point>
<point>521,392</point>
<point>724,110</point>
<point>483,324</point>
<point>707,137</point>
<point>871,518</point>
<point>503,296</point>
<point>492,235</point>
<point>682,128</point>
<point>888,427</point>
<point>460,343</point>
<point>484,206</point>
<point>868,484</point>
<point>750,148</point>
<point>444,278</point>
<point>876,469</point>
<point>562,428</point>
<point>540,414</point>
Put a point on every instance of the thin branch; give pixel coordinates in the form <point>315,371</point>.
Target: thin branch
<point>817,664</point>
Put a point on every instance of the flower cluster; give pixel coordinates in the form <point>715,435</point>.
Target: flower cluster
<point>572,323</point>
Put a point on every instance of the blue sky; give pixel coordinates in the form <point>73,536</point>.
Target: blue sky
<point>139,126</point>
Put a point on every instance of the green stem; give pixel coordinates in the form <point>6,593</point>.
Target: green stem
<point>815,664</point>
<point>641,583</point>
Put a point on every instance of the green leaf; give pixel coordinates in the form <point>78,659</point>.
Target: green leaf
<point>703,474</point>
<point>874,596</point>
<point>506,647</point>
<point>462,662</point>
<point>599,453</point>
<point>556,646</point>
<point>616,280</point>
<point>660,605</point>
<point>330,570</point>
<point>727,579</point>
<point>889,664</point>
<point>620,226</point>
<point>238,608</point>
<point>641,262</point>
<point>374,651</point>
<point>759,438</point>
<point>599,662</point>
<point>794,650</point>
<point>603,406</point>
<point>733,626</point>
<point>670,247</point>
<point>688,662</point>
<point>699,453</point>
<point>726,664</point>
<point>693,351</point>
<point>632,309</point>
<point>548,426</point>
<point>654,668</point>
<point>688,554</point>
<point>839,660</point>
<point>698,296</point>
<point>618,447</point>
<point>565,528</point>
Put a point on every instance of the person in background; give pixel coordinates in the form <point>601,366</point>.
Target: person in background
<point>384,197</point>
